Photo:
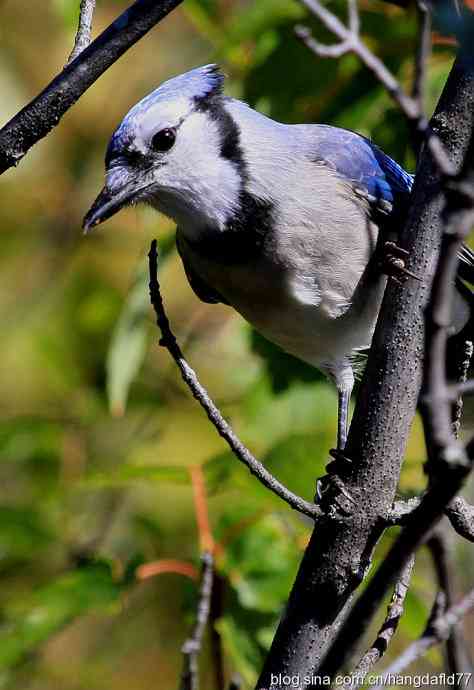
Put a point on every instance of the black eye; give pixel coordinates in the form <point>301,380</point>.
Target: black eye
<point>163,140</point>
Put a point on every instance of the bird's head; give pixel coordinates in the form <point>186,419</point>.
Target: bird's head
<point>178,150</point>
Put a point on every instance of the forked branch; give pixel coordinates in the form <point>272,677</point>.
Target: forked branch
<point>350,41</point>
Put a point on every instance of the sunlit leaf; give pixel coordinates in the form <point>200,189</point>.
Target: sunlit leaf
<point>261,563</point>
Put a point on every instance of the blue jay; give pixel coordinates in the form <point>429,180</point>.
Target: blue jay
<point>279,221</point>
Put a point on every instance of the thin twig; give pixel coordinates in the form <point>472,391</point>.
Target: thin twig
<point>192,647</point>
<point>389,627</point>
<point>224,429</point>
<point>459,360</point>
<point>216,613</point>
<point>436,398</point>
<point>44,112</point>
<point>350,42</point>
<point>84,29</point>
<point>437,631</point>
<point>422,54</point>
<point>455,646</point>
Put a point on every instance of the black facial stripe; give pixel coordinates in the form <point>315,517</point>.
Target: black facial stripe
<point>228,131</point>
<point>246,230</point>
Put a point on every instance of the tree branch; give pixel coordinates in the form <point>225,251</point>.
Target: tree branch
<point>338,555</point>
<point>84,29</point>
<point>389,627</point>
<point>455,646</point>
<point>437,631</point>
<point>461,517</point>
<point>192,647</point>
<point>449,463</point>
<point>224,429</point>
<point>44,112</point>
<point>459,513</point>
<point>350,42</point>
<point>421,522</point>
<point>422,54</point>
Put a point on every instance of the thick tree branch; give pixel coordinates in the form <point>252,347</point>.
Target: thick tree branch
<point>389,627</point>
<point>224,429</point>
<point>437,631</point>
<point>84,29</point>
<point>339,554</point>
<point>449,462</point>
<point>44,112</point>
<point>448,482</point>
<point>192,646</point>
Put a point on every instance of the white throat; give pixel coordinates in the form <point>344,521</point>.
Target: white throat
<point>199,188</point>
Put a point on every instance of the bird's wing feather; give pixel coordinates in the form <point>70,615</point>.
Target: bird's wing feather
<point>386,184</point>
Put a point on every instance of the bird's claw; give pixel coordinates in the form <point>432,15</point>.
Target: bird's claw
<point>394,263</point>
<point>330,488</point>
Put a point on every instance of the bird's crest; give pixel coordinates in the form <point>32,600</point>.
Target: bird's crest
<point>172,100</point>
<point>198,84</point>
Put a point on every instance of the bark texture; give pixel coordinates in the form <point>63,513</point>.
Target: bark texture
<point>340,551</point>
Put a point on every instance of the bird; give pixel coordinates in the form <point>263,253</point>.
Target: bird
<point>278,221</point>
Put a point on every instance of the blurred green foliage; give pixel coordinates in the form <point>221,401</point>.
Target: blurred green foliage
<point>97,430</point>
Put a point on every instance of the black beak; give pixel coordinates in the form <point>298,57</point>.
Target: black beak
<point>106,205</point>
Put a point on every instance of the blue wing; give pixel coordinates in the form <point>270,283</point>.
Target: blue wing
<point>386,184</point>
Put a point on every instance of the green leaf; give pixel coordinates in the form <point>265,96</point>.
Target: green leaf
<point>258,17</point>
<point>261,563</point>
<point>68,11</point>
<point>128,343</point>
<point>219,471</point>
<point>415,615</point>
<point>205,17</point>
<point>241,648</point>
<point>50,608</point>
<point>297,461</point>
<point>302,408</point>
<point>21,533</point>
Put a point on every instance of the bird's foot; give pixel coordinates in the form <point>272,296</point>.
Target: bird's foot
<point>331,492</point>
<point>393,263</point>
